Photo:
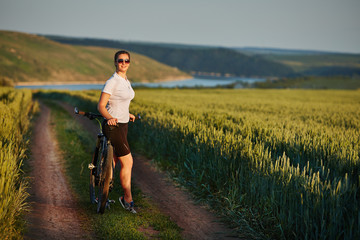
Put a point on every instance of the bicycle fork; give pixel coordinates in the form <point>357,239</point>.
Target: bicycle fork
<point>91,165</point>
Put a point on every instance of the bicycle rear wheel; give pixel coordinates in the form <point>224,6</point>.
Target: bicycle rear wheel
<point>105,179</point>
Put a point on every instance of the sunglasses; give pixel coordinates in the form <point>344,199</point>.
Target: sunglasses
<point>127,61</point>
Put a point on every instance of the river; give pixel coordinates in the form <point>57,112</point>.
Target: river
<point>188,83</point>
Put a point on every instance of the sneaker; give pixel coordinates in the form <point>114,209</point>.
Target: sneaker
<point>126,205</point>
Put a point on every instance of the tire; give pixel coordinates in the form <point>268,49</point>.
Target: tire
<point>105,179</point>
<point>93,173</point>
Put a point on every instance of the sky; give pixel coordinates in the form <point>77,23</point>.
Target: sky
<point>324,25</point>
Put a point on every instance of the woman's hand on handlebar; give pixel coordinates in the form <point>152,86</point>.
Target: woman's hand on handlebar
<point>131,117</point>
<point>112,121</point>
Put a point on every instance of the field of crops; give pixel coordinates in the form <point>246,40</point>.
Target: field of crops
<point>282,163</point>
<point>16,108</point>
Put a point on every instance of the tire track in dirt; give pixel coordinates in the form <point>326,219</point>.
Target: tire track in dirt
<point>195,220</point>
<point>53,214</point>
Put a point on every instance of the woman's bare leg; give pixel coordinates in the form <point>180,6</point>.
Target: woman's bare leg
<point>125,175</point>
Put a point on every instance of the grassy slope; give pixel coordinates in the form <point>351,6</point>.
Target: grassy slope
<point>27,58</point>
<point>193,58</point>
<point>321,70</point>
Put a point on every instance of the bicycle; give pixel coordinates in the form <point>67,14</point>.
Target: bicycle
<point>101,166</point>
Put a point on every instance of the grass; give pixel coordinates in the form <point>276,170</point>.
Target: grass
<point>76,146</point>
<point>313,83</point>
<point>27,58</point>
<point>17,110</point>
<point>284,163</point>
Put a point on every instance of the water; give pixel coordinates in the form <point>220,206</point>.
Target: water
<point>65,86</point>
<point>201,82</point>
<point>189,83</point>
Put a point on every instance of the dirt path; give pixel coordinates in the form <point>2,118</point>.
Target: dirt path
<point>54,214</point>
<point>196,221</point>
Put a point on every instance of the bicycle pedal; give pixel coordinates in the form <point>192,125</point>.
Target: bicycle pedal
<point>111,201</point>
<point>91,166</point>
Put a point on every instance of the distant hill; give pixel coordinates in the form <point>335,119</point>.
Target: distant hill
<point>310,63</point>
<point>194,59</point>
<point>277,51</point>
<point>313,82</point>
<point>32,58</point>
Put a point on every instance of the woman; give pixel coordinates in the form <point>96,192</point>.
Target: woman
<point>114,107</point>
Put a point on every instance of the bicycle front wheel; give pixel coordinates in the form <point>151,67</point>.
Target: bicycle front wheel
<point>105,179</point>
<point>94,176</point>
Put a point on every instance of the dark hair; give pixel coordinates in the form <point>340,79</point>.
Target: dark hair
<point>121,52</point>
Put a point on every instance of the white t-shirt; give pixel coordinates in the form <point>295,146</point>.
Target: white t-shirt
<point>121,93</point>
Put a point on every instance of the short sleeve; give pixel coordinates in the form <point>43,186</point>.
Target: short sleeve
<point>109,86</point>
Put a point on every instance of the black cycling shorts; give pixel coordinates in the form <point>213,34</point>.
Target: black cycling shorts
<point>118,138</point>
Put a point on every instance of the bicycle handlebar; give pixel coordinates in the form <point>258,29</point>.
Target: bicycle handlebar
<point>92,116</point>
<point>89,115</point>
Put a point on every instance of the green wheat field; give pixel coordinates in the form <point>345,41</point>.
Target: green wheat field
<point>281,163</point>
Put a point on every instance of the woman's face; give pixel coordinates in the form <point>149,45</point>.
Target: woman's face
<point>122,63</point>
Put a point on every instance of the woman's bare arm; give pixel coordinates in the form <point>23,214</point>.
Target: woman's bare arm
<point>104,98</point>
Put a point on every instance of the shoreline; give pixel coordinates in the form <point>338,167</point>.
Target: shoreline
<point>49,83</point>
